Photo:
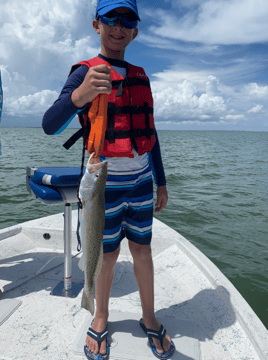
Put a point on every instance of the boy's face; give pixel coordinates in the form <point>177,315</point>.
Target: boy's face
<point>115,38</point>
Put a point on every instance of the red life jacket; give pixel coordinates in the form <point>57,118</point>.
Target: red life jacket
<point>130,118</point>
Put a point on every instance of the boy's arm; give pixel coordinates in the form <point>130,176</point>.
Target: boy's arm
<point>157,165</point>
<point>82,86</point>
<point>159,176</point>
<point>61,113</point>
<point>156,162</point>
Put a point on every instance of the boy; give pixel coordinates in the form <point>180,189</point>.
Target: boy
<point>129,159</point>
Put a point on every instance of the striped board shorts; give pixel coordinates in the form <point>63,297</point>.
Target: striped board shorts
<point>128,208</point>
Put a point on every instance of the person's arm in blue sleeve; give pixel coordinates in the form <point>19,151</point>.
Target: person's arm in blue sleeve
<point>62,112</point>
<point>155,159</point>
<point>159,176</point>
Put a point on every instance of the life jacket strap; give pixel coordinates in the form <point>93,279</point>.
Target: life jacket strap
<point>110,135</point>
<point>110,118</point>
<point>121,134</point>
<point>146,111</point>
<point>133,109</point>
<point>83,132</point>
<point>133,81</point>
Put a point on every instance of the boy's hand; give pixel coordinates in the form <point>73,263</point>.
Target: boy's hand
<point>162,198</point>
<point>97,81</point>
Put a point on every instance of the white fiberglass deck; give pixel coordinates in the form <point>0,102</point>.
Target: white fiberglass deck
<point>203,313</point>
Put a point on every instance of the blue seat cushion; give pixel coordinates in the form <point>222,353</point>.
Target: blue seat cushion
<point>48,194</point>
<point>57,176</point>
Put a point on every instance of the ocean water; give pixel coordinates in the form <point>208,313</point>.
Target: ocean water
<point>217,185</point>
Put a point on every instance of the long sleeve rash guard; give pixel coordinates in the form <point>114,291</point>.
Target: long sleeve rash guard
<point>62,112</point>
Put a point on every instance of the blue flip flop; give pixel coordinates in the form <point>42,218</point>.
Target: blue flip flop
<point>99,337</point>
<point>160,334</point>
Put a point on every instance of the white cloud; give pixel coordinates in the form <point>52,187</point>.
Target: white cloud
<point>15,84</point>
<point>175,75</point>
<point>212,86</point>
<point>256,109</point>
<point>40,40</point>
<point>181,101</point>
<point>204,99</point>
<point>216,22</point>
<point>35,104</point>
<point>163,43</point>
<point>235,118</point>
<point>60,27</point>
<point>255,90</point>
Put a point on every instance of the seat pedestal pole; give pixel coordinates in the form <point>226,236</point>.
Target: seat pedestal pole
<point>66,288</point>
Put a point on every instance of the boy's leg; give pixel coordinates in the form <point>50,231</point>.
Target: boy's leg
<point>144,274</point>
<point>138,229</point>
<point>103,287</point>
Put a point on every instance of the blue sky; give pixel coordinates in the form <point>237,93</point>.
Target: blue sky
<point>206,59</point>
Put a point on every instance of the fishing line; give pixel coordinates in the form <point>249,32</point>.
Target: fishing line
<point>79,203</point>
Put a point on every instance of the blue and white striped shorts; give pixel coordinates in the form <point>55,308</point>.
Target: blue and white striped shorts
<point>128,209</point>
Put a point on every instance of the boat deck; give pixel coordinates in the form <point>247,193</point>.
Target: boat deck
<point>202,311</point>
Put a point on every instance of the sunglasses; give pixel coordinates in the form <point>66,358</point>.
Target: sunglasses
<point>128,21</point>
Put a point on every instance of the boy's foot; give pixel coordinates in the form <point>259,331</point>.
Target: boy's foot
<point>99,325</point>
<point>152,323</point>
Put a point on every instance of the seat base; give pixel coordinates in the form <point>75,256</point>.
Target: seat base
<point>72,293</point>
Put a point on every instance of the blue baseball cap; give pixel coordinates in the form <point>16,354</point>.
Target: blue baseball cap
<point>104,6</point>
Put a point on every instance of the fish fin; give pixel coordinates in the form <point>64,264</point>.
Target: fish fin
<point>81,263</point>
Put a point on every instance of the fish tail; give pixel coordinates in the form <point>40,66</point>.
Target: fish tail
<point>88,300</point>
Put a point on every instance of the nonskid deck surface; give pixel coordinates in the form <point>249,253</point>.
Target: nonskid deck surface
<point>195,302</point>
<point>128,341</point>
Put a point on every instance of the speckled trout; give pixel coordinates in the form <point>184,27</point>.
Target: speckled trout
<point>92,195</point>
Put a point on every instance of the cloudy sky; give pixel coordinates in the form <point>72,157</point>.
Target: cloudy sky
<point>206,59</point>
